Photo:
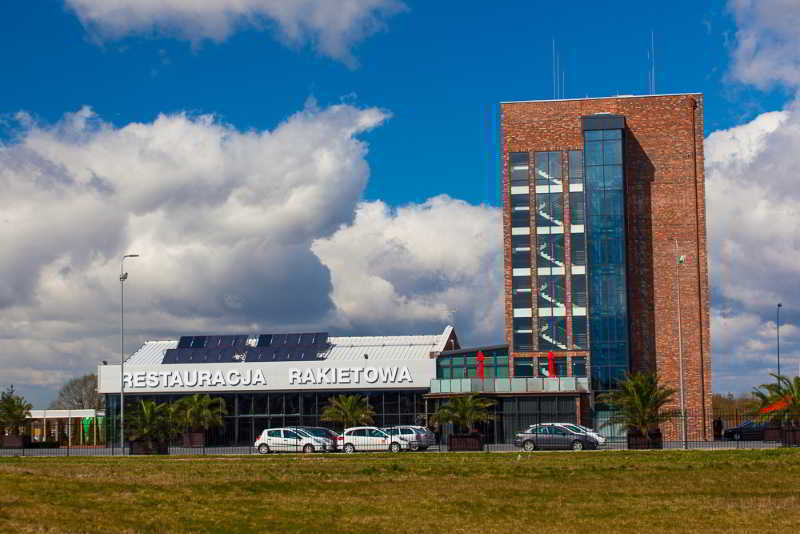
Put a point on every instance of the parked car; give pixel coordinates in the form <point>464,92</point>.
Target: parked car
<point>553,436</point>
<point>419,437</point>
<point>290,440</point>
<point>749,430</point>
<point>370,438</point>
<point>321,432</point>
<point>580,429</point>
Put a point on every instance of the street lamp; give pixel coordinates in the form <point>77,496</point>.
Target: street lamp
<point>778,321</point>
<point>122,277</point>
<point>680,260</point>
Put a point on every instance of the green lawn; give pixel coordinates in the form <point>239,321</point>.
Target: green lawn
<point>657,491</point>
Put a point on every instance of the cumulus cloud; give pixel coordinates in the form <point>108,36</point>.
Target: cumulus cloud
<point>767,51</point>
<point>332,27</point>
<point>223,220</point>
<point>754,225</point>
<point>238,231</point>
<point>419,265</point>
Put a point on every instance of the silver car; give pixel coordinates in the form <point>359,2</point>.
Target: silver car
<point>419,437</point>
<point>554,436</point>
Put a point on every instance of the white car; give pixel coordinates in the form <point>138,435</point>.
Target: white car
<point>370,438</point>
<point>580,429</point>
<point>290,440</point>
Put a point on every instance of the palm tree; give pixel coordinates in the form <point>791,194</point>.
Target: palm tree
<point>198,413</point>
<point>349,410</point>
<point>150,424</point>
<point>781,400</point>
<point>639,403</point>
<point>464,411</point>
<point>14,411</point>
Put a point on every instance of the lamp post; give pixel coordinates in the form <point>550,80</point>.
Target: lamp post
<point>680,260</point>
<point>122,277</point>
<point>778,321</point>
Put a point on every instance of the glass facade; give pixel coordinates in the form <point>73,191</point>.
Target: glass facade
<point>247,414</point>
<point>495,365</point>
<point>605,241</point>
<point>521,287</point>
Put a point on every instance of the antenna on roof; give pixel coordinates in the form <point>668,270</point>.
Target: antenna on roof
<point>651,68</point>
<point>554,68</point>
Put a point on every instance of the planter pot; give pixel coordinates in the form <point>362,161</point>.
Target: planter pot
<point>12,442</point>
<point>791,437</point>
<point>773,433</point>
<point>193,439</point>
<point>653,440</point>
<point>465,442</point>
<point>149,447</point>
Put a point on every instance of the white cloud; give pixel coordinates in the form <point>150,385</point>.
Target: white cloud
<point>238,232</point>
<point>223,219</point>
<point>419,264</point>
<point>767,51</point>
<point>754,226</point>
<point>332,27</point>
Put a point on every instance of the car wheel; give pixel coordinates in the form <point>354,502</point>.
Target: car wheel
<point>577,445</point>
<point>308,448</point>
<point>349,449</point>
<point>425,448</point>
<point>263,448</point>
<point>529,446</point>
<point>394,447</point>
<point>737,436</point>
<point>416,448</point>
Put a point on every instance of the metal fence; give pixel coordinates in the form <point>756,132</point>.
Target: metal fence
<point>515,432</point>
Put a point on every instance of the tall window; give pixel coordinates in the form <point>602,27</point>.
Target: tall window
<point>605,241</point>
<point>520,199</point>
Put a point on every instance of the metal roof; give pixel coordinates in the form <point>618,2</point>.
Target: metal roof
<point>151,353</point>
<point>391,348</point>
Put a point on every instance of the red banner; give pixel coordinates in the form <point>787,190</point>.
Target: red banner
<point>480,359</point>
<point>551,365</point>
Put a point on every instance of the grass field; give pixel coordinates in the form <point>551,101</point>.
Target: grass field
<point>663,491</point>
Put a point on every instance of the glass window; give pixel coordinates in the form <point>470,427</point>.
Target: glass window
<point>594,153</point>
<point>579,336</point>
<point>458,360</point>
<point>561,366</point>
<point>375,433</point>
<point>518,167</point>
<point>554,166</point>
<point>520,201</point>
<point>501,372</point>
<point>521,259</point>
<point>445,373</point>
<point>273,433</point>
<point>594,135</point>
<point>522,323</point>
<point>521,282</point>
<point>576,166</point>
<point>521,300</point>
<point>612,152</point>
<point>523,342</point>
<point>613,177</point>
<point>289,434</point>
<point>544,368</point>
<point>578,366</point>
<point>523,367</point>
<point>520,218</point>
<point>577,210</point>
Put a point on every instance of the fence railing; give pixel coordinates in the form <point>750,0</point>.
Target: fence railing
<point>522,429</point>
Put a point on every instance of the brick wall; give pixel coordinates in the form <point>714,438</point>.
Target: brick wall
<point>665,202</point>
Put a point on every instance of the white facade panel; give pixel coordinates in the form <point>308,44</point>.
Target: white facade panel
<point>520,230</point>
<point>523,312</point>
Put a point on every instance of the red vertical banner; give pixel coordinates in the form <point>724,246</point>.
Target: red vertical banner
<point>480,358</point>
<point>551,365</point>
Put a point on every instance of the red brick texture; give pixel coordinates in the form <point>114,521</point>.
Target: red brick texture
<point>665,202</point>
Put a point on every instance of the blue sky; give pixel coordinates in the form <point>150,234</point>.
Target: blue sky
<point>439,69</point>
<point>381,118</point>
